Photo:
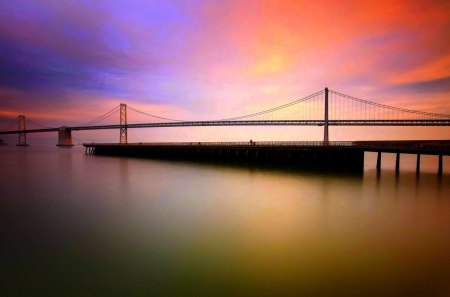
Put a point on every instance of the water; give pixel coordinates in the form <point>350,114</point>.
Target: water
<point>78,225</point>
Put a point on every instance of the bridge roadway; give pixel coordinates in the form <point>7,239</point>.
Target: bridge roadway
<point>334,155</point>
<point>246,123</point>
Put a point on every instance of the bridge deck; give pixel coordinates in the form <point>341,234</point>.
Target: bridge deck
<point>399,122</point>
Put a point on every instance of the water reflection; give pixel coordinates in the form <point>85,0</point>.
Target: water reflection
<point>93,225</point>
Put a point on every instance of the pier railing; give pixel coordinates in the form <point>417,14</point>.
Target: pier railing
<point>236,143</point>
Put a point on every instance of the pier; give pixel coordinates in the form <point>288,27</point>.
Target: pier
<point>345,156</point>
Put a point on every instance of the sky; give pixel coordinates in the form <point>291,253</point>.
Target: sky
<point>68,62</point>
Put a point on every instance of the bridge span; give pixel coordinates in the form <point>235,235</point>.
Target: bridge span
<point>324,108</point>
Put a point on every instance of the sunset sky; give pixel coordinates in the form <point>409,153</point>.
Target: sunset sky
<point>68,62</point>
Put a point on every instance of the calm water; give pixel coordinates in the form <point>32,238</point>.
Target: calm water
<point>77,225</point>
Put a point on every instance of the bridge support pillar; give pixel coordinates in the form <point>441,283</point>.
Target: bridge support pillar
<point>64,137</point>
<point>325,125</point>
<point>379,161</point>
<point>418,164</point>
<point>123,123</point>
<point>397,163</point>
<point>22,135</point>
<point>440,166</point>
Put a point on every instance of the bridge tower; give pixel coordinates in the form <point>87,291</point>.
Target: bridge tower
<point>64,137</point>
<point>325,126</point>
<point>22,135</point>
<point>123,123</point>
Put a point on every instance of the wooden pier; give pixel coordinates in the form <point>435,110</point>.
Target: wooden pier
<point>347,156</point>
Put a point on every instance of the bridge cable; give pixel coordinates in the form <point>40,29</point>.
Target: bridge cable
<point>151,115</point>
<point>102,117</point>
<point>375,104</point>
<point>10,124</point>
<point>28,120</point>
<point>274,108</point>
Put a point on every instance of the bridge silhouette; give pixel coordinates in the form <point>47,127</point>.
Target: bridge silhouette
<point>324,108</point>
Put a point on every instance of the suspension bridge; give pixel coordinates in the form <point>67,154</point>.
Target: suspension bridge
<point>324,108</point>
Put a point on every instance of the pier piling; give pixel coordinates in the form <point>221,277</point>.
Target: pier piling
<point>397,163</point>
<point>379,161</point>
<point>418,164</point>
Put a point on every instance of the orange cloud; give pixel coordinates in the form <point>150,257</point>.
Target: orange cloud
<point>436,69</point>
